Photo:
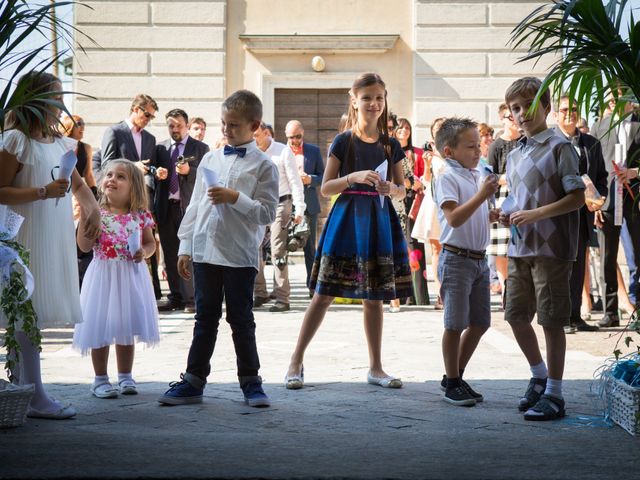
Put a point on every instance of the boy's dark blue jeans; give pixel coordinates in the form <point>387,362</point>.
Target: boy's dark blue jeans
<point>213,284</point>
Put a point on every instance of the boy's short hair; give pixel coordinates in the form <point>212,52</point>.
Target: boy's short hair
<point>246,103</point>
<point>450,130</point>
<point>503,106</point>
<point>527,87</point>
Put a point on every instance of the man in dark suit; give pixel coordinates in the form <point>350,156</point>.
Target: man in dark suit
<point>592,164</point>
<point>180,155</point>
<point>311,168</point>
<point>129,139</point>
<point>627,135</point>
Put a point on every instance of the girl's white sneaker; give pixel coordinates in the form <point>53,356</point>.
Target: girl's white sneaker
<point>128,387</point>
<point>104,390</point>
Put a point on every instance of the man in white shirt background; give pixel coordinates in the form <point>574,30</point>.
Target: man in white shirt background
<point>291,194</point>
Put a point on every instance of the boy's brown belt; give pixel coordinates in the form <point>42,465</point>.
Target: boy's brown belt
<point>463,252</point>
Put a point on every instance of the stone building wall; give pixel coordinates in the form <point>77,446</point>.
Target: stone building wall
<point>172,50</point>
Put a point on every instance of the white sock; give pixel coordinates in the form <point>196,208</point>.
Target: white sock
<point>539,370</point>
<point>124,376</point>
<point>100,379</point>
<point>554,388</point>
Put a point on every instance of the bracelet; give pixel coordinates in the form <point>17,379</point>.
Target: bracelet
<point>42,193</point>
<point>347,178</point>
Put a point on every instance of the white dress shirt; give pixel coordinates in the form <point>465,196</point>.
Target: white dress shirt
<point>230,234</point>
<point>290,182</point>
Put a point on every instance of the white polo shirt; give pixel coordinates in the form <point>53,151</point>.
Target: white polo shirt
<point>458,184</point>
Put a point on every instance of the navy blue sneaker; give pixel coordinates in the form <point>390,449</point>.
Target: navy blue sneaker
<point>181,393</point>
<point>254,395</point>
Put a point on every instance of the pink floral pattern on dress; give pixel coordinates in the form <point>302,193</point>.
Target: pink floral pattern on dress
<point>112,243</point>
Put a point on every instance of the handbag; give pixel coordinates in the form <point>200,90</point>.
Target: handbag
<point>415,206</point>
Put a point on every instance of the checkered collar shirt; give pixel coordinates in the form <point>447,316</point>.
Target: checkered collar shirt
<point>542,170</point>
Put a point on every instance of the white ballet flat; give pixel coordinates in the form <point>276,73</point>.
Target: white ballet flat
<point>294,382</point>
<point>62,413</point>
<point>384,382</point>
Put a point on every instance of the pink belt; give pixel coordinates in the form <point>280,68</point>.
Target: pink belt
<point>360,192</point>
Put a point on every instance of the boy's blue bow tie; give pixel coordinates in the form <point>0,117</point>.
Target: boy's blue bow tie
<point>240,151</point>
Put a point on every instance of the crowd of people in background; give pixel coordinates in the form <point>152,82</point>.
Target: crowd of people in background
<point>164,195</point>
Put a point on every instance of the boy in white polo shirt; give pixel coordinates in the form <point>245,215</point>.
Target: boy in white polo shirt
<point>462,194</point>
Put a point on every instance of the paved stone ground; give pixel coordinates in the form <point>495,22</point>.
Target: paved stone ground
<point>337,426</point>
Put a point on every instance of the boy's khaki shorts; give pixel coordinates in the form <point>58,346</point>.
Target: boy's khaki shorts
<point>538,285</point>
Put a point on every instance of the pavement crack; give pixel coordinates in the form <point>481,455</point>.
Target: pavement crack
<point>411,418</point>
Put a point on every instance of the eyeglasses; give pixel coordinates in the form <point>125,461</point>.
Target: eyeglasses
<point>80,123</point>
<point>146,114</point>
<point>564,111</point>
<point>297,137</point>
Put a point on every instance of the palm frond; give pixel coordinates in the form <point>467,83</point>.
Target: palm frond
<point>591,57</point>
<point>18,21</point>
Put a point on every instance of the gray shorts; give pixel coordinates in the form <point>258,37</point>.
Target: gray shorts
<point>538,285</point>
<point>464,289</point>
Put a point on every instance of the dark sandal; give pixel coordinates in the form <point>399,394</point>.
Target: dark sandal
<point>547,408</point>
<point>535,389</point>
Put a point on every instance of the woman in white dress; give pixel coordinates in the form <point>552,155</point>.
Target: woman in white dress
<point>29,163</point>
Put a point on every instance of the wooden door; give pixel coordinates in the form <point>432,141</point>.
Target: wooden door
<point>319,111</point>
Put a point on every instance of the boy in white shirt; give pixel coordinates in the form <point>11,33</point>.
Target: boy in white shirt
<point>464,217</point>
<point>221,231</point>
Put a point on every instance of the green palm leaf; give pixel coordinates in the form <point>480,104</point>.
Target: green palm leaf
<point>592,58</point>
<point>17,22</point>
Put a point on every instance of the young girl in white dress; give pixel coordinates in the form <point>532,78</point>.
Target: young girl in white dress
<point>117,299</point>
<point>30,151</point>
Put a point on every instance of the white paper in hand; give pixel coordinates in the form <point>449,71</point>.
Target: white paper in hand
<point>509,205</point>
<point>67,164</point>
<point>134,242</point>
<point>382,171</point>
<point>210,177</point>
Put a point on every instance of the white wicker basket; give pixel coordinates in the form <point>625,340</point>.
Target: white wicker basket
<point>622,404</point>
<point>14,400</point>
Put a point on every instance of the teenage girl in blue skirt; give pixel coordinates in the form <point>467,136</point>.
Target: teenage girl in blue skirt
<point>362,252</point>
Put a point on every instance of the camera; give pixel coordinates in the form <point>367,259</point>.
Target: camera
<point>297,235</point>
<point>182,160</point>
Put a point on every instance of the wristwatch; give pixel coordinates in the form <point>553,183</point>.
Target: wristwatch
<point>42,193</point>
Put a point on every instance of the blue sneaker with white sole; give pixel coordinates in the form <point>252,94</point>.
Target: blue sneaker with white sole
<point>254,395</point>
<point>181,393</point>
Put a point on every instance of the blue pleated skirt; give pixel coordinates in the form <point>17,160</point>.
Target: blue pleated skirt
<point>362,251</point>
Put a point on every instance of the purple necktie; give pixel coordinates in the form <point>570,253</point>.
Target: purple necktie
<point>173,175</point>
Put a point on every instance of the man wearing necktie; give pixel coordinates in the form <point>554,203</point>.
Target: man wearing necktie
<point>180,155</point>
<point>626,134</point>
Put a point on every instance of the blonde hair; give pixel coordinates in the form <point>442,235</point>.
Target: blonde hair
<point>138,199</point>
<point>67,124</point>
